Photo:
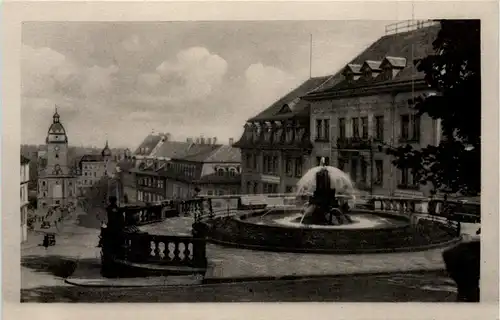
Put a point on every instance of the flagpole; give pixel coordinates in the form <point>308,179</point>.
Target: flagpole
<point>310,55</point>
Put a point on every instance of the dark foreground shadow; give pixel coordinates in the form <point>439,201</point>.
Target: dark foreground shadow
<point>389,288</point>
<point>58,266</point>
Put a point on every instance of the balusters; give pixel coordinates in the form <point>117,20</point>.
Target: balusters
<point>177,258</point>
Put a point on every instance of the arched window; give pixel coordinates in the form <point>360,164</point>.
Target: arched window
<point>232,172</point>
<point>220,171</point>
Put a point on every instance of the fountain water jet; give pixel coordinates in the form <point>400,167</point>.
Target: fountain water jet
<point>323,205</point>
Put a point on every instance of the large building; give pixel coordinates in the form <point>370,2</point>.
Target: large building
<point>56,181</point>
<point>165,169</point>
<point>25,179</point>
<point>276,146</point>
<point>349,116</point>
<point>92,167</point>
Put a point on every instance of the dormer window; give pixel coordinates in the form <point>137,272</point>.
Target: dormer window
<point>289,132</point>
<point>370,69</point>
<point>391,66</point>
<point>352,72</point>
<point>257,130</point>
<point>248,131</point>
<point>220,172</point>
<point>278,131</point>
<point>268,131</point>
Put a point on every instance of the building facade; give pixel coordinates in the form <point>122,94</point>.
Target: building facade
<point>166,169</point>
<point>92,167</point>
<point>56,182</point>
<point>366,108</point>
<point>275,145</point>
<point>25,179</point>
<point>345,118</point>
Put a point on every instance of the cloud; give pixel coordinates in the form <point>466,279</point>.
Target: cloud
<point>47,73</point>
<point>194,74</point>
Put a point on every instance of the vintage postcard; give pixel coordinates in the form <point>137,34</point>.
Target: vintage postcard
<point>230,158</point>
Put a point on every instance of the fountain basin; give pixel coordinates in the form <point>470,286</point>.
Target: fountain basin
<point>278,229</point>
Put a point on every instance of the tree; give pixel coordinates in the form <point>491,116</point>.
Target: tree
<point>453,72</point>
<point>96,197</point>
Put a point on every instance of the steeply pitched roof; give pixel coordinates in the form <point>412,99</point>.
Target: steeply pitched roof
<point>92,158</point>
<point>172,149</point>
<point>199,152</point>
<point>225,154</point>
<point>148,144</point>
<point>297,106</point>
<point>409,45</point>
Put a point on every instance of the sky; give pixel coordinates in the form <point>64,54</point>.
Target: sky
<point>121,81</point>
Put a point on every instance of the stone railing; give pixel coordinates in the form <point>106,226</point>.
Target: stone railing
<point>165,250</point>
<point>449,209</point>
<point>149,213</point>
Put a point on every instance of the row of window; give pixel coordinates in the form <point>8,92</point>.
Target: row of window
<point>252,187</point>
<point>229,171</point>
<point>270,164</point>
<point>144,196</point>
<point>221,192</point>
<point>152,182</point>
<point>44,183</point>
<point>275,133</point>
<point>410,128</point>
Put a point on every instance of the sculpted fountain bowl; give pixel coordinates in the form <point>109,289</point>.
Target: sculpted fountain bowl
<point>280,227</point>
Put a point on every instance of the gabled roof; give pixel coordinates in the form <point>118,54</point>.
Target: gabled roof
<point>373,65</point>
<point>354,68</point>
<point>297,107</point>
<point>396,62</point>
<point>225,154</point>
<point>92,158</point>
<point>199,152</point>
<point>410,45</point>
<point>172,149</point>
<point>148,144</point>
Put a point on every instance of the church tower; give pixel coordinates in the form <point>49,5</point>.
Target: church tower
<point>57,148</point>
<point>56,184</point>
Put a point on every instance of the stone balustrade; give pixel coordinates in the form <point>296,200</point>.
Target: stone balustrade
<point>165,250</point>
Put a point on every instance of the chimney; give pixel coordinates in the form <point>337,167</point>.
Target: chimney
<point>202,140</point>
<point>214,140</point>
<point>209,140</point>
<point>189,140</point>
<point>198,140</point>
<point>167,136</point>
<point>231,141</point>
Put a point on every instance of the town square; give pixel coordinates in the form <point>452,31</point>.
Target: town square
<point>279,161</point>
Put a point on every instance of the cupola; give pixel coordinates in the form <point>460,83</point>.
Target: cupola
<point>56,133</point>
<point>106,152</point>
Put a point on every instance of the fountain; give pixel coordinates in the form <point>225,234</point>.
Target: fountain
<point>323,207</point>
<point>328,221</point>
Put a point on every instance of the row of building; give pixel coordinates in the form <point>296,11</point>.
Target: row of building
<point>348,118</point>
<point>164,169</point>
<point>344,117</point>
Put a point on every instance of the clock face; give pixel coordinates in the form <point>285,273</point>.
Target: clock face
<point>56,148</point>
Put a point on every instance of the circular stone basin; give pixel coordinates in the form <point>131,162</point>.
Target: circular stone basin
<point>279,229</point>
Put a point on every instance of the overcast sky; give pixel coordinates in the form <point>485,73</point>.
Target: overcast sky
<point>122,80</point>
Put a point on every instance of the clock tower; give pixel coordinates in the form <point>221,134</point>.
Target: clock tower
<point>56,184</point>
<point>57,148</point>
